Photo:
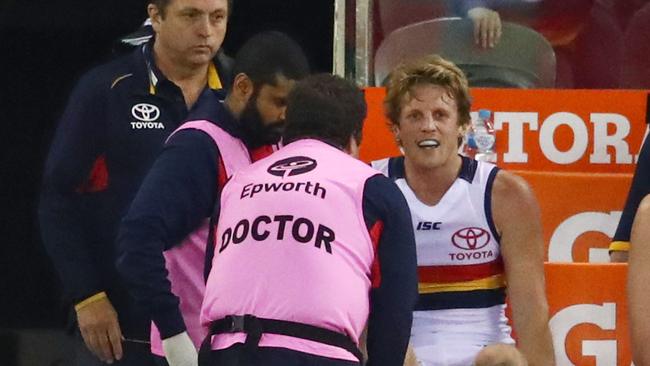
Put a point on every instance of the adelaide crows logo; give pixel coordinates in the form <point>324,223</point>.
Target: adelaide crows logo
<point>292,166</point>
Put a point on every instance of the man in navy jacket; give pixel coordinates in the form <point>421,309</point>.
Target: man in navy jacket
<point>116,120</point>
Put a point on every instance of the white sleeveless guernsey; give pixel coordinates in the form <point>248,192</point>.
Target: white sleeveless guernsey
<point>460,270</point>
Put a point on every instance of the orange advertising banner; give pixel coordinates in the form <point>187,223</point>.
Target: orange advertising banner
<point>588,314</point>
<point>576,148</point>
<point>588,131</point>
<point>580,212</point>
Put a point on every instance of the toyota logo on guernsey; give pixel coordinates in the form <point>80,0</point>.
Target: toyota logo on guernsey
<point>146,115</point>
<point>471,240</point>
<point>292,166</point>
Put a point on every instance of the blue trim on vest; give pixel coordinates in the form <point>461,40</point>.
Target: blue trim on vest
<point>396,168</point>
<point>488,204</point>
<point>461,299</point>
<point>467,172</point>
<point>467,169</point>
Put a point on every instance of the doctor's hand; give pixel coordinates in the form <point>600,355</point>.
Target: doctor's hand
<point>180,351</point>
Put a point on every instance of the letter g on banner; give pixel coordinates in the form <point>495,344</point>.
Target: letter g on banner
<point>560,248</point>
<point>561,324</point>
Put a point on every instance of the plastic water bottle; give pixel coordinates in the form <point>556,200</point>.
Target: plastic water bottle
<point>481,137</point>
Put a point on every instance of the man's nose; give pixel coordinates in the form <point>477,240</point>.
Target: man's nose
<point>204,28</point>
<point>429,124</point>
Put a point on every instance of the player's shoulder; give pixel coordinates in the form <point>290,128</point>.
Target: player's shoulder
<point>509,181</point>
<point>381,165</point>
<point>392,167</point>
<point>511,190</point>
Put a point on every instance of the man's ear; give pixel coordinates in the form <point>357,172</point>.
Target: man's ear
<point>353,148</point>
<point>395,130</point>
<point>243,86</point>
<point>155,15</point>
<point>462,130</point>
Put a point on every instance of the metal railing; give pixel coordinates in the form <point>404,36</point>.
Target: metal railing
<point>353,53</point>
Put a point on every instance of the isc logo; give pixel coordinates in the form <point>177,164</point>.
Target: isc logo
<point>428,225</point>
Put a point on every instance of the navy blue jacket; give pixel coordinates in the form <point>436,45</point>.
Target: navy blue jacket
<point>114,126</point>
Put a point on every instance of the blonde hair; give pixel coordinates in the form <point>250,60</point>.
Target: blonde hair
<point>433,70</point>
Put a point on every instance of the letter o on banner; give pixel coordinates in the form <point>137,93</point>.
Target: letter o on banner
<point>580,138</point>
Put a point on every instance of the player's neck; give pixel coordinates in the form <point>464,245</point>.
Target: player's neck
<point>431,184</point>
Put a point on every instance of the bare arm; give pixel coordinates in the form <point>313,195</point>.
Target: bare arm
<point>637,284</point>
<point>517,217</point>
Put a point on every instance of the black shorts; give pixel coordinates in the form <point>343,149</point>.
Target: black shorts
<point>237,355</point>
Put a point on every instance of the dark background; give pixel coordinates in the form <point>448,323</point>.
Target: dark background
<point>45,46</point>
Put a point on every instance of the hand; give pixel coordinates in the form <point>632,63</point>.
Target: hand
<point>487,26</point>
<point>410,359</point>
<point>618,256</point>
<point>101,330</point>
<point>180,351</point>
<point>500,355</point>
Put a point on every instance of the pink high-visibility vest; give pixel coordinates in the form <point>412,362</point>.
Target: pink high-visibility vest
<point>292,244</point>
<point>185,262</point>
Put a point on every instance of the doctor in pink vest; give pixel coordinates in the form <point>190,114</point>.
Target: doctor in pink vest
<point>312,245</point>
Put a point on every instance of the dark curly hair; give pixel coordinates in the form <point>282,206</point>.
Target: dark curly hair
<point>327,108</point>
